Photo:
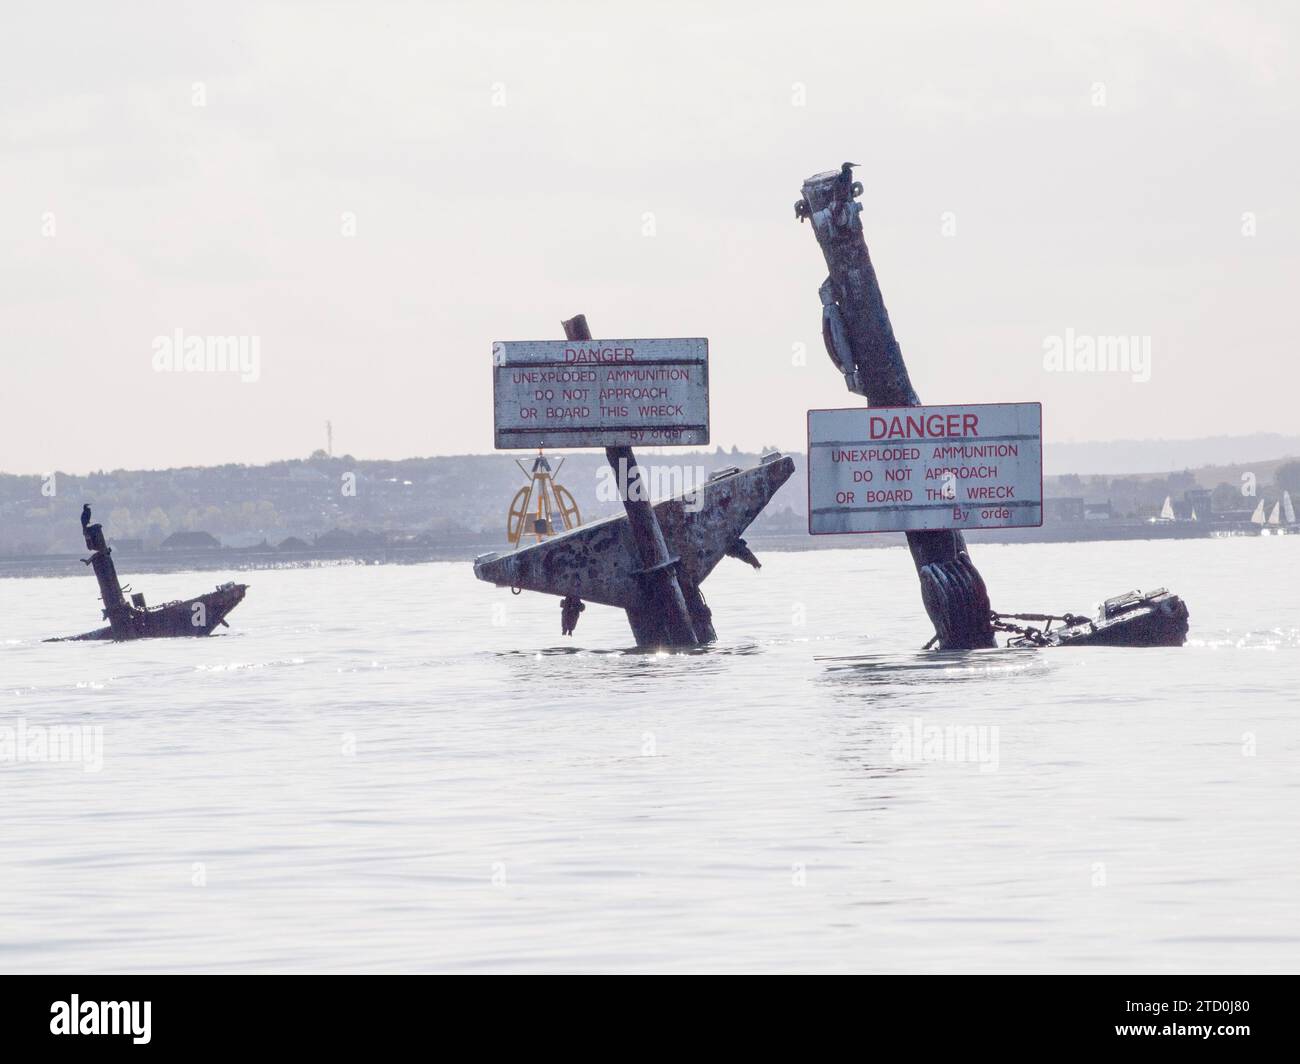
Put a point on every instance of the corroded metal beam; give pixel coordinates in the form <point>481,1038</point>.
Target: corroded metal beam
<point>860,341</point>
<point>598,562</point>
<point>662,616</point>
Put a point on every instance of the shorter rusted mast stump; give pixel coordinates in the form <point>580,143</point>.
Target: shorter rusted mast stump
<point>860,340</point>
<point>110,588</point>
<point>667,617</point>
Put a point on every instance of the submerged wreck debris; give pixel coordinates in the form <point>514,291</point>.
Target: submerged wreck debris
<point>1134,619</point>
<point>860,341</point>
<point>652,560</point>
<point>599,562</point>
<point>136,620</point>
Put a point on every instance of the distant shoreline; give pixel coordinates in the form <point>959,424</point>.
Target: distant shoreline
<point>236,559</point>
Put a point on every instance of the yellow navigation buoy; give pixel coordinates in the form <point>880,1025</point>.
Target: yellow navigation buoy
<point>535,507</point>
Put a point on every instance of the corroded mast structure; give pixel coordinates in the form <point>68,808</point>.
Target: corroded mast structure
<point>134,619</point>
<point>652,560</point>
<point>672,613</point>
<point>860,340</point>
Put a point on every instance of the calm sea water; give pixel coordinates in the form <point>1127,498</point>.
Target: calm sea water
<point>401,768</point>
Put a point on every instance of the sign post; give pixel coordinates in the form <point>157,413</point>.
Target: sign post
<point>665,619</point>
<point>908,469</point>
<point>613,393</point>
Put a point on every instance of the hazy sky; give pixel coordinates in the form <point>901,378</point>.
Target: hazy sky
<point>504,163</point>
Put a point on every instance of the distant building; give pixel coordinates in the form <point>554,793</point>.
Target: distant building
<point>190,541</point>
<point>342,539</point>
<point>1234,516</point>
<point>336,539</point>
<point>1097,511</point>
<point>1201,501</point>
<point>1068,509</point>
<point>1181,510</point>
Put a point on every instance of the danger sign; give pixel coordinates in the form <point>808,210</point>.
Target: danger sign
<point>898,469</point>
<point>600,393</point>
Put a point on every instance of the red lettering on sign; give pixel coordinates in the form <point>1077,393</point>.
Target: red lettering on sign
<point>922,426</point>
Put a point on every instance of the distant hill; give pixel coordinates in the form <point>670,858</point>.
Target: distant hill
<point>457,498</point>
<point>1120,457</point>
<point>450,497</point>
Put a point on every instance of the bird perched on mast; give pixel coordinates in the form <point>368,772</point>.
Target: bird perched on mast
<point>846,178</point>
<point>847,188</point>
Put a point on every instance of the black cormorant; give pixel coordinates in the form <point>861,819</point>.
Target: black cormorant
<point>846,179</point>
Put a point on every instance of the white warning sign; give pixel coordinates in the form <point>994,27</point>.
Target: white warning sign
<point>601,393</point>
<point>899,469</point>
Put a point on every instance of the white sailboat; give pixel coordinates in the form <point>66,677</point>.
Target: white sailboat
<point>1288,511</point>
<point>1273,525</point>
<point>1167,511</point>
